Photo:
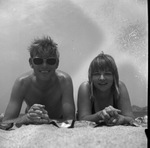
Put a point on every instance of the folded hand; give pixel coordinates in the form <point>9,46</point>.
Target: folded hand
<point>37,114</point>
<point>110,115</point>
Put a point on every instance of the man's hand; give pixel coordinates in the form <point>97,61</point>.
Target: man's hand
<point>37,114</point>
<point>6,126</point>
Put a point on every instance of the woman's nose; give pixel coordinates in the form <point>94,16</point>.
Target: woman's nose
<point>101,77</point>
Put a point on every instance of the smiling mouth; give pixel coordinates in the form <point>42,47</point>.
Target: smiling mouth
<point>44,71</point>
<point>102,84</point>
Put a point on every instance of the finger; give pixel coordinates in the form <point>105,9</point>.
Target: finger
<point>36,108</point>
<point>114,109</point>
<point>39,105</point>
<point>45,116</point>
<point>112,121</point>
<point>44,111</point>
<point>42,121</point>
<point>117,110</point>
<point>36,113</point>
<point>33,115</point>
<point>105,115</point>
<point>108,109</point>
<point>5,126</point>
<point>31,110</point>
<point>113,113</point>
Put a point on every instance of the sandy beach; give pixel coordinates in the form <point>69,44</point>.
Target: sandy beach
<point>50,136</point>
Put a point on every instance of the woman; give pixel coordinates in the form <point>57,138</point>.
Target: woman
<point>103,98</point>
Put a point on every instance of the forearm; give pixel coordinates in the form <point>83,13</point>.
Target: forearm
<point>20,119</point>
<point>93,117</point>
<point>9,116</point>
<point>8,123</point>
<point>68,112</point>
<point>69,115</point>
<point>128,120</point>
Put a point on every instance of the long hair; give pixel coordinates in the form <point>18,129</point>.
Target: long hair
<point>104,62</point>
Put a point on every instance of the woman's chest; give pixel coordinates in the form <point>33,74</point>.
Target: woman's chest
<point>101,103</point>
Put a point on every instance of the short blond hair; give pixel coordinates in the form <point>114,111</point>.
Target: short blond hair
<point>42,46</point>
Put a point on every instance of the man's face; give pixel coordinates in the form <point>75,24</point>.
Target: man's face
<point>44,66</point>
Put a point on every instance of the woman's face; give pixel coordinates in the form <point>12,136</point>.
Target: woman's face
<point>102,79</point>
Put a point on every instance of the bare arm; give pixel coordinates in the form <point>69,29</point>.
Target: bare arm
<point>15,102</point>
<point>85,107</point>
<point>84,104</point>
<point>68,105</point>
<point>124,104</point>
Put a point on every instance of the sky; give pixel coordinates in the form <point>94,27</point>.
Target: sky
<point>82,29</point>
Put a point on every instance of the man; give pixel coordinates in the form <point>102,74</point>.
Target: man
<point>47,92</point>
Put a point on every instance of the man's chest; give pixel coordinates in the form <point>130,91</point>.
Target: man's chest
<point>49,97</point>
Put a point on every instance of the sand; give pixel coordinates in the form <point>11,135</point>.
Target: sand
<point>50,136</point>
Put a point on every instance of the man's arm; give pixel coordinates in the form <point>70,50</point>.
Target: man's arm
<point>15,102</point>
<point>68,105</point>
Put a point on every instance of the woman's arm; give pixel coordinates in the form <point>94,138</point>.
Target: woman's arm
<point>124,105</point>
<point>109,113</point>
<point>84,104</point>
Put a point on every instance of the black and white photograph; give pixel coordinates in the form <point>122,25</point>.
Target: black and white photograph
<point>74,74</point>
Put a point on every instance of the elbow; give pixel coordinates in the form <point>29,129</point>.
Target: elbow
<point>85,118</point>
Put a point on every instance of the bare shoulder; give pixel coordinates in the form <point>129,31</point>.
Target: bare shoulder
<point>122,86</point>
<point>84,85</point>
<point>84,89</point>
<point>24,79</point>
<point>21,85</point>
<point>63,76</point>
<point>123,90</point>
<point>84,94</point>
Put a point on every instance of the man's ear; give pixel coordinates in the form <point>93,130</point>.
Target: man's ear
<point>57,64</point>
<point>30,62</point>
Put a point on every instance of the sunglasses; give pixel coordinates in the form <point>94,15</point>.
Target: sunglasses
<point>49,61</point>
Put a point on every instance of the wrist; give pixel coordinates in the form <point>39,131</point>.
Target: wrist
<point>125,120</point>
<point>128,120</point>
<point>99,115</point>
<point>6,126</point>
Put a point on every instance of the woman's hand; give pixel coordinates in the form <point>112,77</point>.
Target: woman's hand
<point>110,115</point>
<point>117,120</point>
<point>37,114</point>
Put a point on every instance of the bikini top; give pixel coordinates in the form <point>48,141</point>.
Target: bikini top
<point>92,103</point>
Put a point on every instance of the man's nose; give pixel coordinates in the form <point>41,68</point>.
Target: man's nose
<point>44,63</point>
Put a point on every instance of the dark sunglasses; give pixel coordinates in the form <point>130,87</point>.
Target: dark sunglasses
<point>49,61</point>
